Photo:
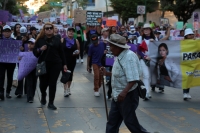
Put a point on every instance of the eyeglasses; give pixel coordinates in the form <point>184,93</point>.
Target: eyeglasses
<point>49,28</point>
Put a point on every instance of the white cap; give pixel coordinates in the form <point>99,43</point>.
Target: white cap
<point>23,30</point>
<point>147,26</point>
<point>64,23</point>
<point>32,40</point>
<point>6,27</point>
<point>188,31</point>
<point>104,29</point>
<point>132,28</point>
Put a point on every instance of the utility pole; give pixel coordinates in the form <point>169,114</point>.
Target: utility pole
<point>71,6</point>
<point>106,8</point>
<point>145,15</point>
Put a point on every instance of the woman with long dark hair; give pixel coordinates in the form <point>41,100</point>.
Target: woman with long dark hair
<point>48,48</point>
<point>16,34</point>
<point>167,69</point>
<point>72,50</point>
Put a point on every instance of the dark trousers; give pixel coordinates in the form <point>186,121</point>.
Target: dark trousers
<point>21,86</point>
<point>109,93</point>
<point>31,82</point>
<point>50,80</point>
<point>186,90</point>
<point>81,43</point>
<point>125,111</point>
<point>9,69</point>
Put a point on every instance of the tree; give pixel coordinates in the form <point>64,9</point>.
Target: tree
<point>183,9</point>
<point>47,6</point>
<point>166,5</point>
<point>128,8</point>
<point>82,3</point>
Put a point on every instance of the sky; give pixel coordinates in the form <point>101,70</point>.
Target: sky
<point>32,4</point>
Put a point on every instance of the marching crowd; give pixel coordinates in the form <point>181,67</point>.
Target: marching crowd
<point>61,54</point>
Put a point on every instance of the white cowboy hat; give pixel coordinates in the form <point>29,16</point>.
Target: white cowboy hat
<point>118,41</point>
<point>146,26</point>
<point>188,31</point>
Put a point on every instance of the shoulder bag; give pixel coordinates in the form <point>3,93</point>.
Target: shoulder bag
<point>141,87</point>
<point>41,67</point>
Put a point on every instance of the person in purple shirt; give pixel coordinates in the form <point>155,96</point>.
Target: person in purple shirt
<point>95,54</point>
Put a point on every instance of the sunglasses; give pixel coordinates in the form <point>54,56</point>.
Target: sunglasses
<point>94,38</point>
<point>49,28</point>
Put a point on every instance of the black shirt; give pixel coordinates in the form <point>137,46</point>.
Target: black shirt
<point>54,52</point>
<point>163,70</point>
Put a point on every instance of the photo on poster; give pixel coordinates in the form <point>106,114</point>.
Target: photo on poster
<point>196,16</point>
<point>165,64</point>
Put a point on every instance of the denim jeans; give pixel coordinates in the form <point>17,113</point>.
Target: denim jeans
<point>125,111</point>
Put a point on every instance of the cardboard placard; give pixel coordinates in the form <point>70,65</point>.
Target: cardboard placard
<point>79,16</point>
<point>164,22</point>
<point>94,18</point>
<point>43,15</point>
<point>111,22</point>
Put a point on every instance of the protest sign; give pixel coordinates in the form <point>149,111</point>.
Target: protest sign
<point>164,22</point>
<point>79,16</point>
<point>115,18</point>
<point>43,15</point>
<point>69,21</point>
<point>196,17</point>
<point>179,25</point>
<point>111,22</point>
<point>189,25</point>
<point>180,59</point>
<point>27,64</point>
<point>94,18</point>
<point>9,51</point>
<point>141,9</point>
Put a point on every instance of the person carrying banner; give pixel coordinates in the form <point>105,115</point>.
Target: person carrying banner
<point>95,54</point>
<point>31,78</point>
<point>71,50</point>
<point>6,68</point>
<point>48,49</point>
<point>23,48</point>
<point>189,34</point>
<point>125,74</point>
<point>79,35</point>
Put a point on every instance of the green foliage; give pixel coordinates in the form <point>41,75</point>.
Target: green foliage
<point>182,9</point>
<point>48,7</point>
<point>128,8</point>
<point>82,3</point>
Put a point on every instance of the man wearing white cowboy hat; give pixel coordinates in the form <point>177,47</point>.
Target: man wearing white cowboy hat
<point>126,71</point>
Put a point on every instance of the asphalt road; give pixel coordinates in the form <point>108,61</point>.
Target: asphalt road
<point>84,113</point>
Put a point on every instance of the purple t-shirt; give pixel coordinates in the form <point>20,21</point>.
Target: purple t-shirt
<point>96,52</point>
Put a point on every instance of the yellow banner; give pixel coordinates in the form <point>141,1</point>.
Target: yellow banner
<point>190,63</point>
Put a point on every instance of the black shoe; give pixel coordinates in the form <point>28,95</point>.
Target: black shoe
<point>43,101</point>
<point>30,101</point>
<point>8,95</point>
<point>153,88</point>
<point>161,90</point>
<point>52,107</point>
<point>2,96</point>
<point>19,96</point>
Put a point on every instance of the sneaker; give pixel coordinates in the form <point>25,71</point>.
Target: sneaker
<point>69,91</point>
<point>66,94</point>
<point>153,88</point>
<point>30,101</point>
<point>77,61</point>
<point>185,96</point>
<point>96,94</point>
<point>52,107</point>
<point>19,96</point>
<point>8,95</point>
<point>81,60</point>
<point>2,96</point>
<point>161,90</point>
<point>109,98</point>
<point>188,96</point>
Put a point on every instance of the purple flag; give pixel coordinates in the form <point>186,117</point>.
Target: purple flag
<point>4,15</point>
<point>9,50</point>
<point>33,18</point>
<point>27,64</point>
<point>21,13</point>
<point>133,47</point>
<point>109,61</point>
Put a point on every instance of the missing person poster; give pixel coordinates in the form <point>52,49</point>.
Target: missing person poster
<point>175,63</point>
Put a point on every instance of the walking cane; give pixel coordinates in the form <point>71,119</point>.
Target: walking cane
<point>105,101</point>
